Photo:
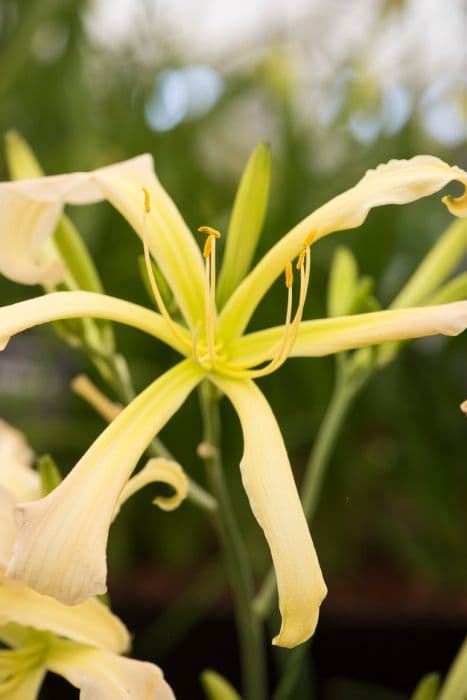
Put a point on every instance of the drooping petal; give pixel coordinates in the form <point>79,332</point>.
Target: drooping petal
<point>330,335</point>
<point>7,527</point>
<point>104,676</point>
<point>24,687</point>
<point>16,458</point>
<point>164,471</point>
<point>270,487</point>
<point>31,210</point>
<point>62,538</point>
<point>90,622</point>
<point>61,305</point>
<point>397,182</point>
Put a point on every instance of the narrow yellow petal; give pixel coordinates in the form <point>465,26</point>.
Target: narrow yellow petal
<point>90,622</point>
<point>330,335</point>
<point>397,182</point>
<point>158,470</point>
<point>61,305</point>
<point>62,538</point>
<point>270,487</point>
<point>104,676</point>
<point>25,687</point>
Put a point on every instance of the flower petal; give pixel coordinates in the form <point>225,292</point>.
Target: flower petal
<point>90,622</point>
<point>104,676</point>
<point>164,471</point>
<point>16,458</point>
<point>25,687</point>
<point>7,527</point>
<point>330,335</point>
<point>396,182</point>
<point>61,305</point>
<point>269,483</point>
<point>62,538</point>
<point>31,210</point>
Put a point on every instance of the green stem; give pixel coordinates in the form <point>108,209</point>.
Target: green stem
<point>238,566</point>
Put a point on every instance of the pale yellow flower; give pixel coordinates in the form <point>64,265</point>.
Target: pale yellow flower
<point>60,548</point>
<point>83,643</point>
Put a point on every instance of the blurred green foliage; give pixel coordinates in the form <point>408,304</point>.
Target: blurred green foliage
<point>397,487</point>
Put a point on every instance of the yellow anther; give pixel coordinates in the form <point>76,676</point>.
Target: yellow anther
<point>301,258</point>
<point>147,201</point>
<point>288,275</point>
<point>309,239</point>
<point>207,247</point>
<point>208,230</point>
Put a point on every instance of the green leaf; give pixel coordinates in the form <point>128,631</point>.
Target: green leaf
<point>343,281</point>
<point>49,474</point>
<point>246,222</point>
<point>217,688</point>
<point>443,258</point>
<point>455,685</point>
<point>427,688</point>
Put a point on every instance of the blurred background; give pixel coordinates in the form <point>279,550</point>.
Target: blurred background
<point>335,88</point>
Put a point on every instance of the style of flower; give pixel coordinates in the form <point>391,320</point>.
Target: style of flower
<point>82,643</point>
<point>61,541</point>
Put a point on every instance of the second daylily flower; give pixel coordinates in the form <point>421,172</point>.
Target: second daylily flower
<point>60,548</point>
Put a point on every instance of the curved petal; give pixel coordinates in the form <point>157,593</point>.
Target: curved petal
<point>7,527</point>
<point>104,676</point>
<point>330,335</point>
<point>164,471</point>
<point>62,538</point>
<point>90,622</point>
<point>270,487</point>
<point>31,210</point>
<point>61,305</point>
<point>16,458</point>
<point>25,687</point>
<point>397,182</point>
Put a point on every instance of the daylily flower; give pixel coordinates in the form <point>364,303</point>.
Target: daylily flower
<point>82,643</point>
<point>60,548</point>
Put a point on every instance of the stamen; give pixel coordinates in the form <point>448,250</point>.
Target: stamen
<point>288,275</point>
<point>309,239</point>
<point>152,280</point>
<point>209,254</point>
<point>301,258</point>
<point>285,346</point>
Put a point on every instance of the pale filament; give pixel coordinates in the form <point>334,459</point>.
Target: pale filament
<point>283,349</point>
<point>210,312</point>
<point>152,280</point>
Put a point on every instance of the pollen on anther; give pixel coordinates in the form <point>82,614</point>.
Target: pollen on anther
<point>207,247</point>
<point>301,258</point>
<point>147,201</point>
<point>309,239</point>
<point>208,230</point>
<point>288,275</point>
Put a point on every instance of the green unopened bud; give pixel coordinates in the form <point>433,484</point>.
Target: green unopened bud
<point>428,688</point>
<point>217,688</point>
<point>441,261</point>
<point>343,282</point>
<point>49,474</point>
<point>454,290</point>
<point>246,222</point>
<point>455,685</point>
<point>21,161</point>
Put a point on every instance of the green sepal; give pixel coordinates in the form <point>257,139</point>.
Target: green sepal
<point>427,688</point>
<point>246,222</point>
<point>216,687</point>
<point>49,474</point>
<point>343,282</point>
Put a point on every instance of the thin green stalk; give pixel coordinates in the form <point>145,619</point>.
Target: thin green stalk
<point>238,566</point>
